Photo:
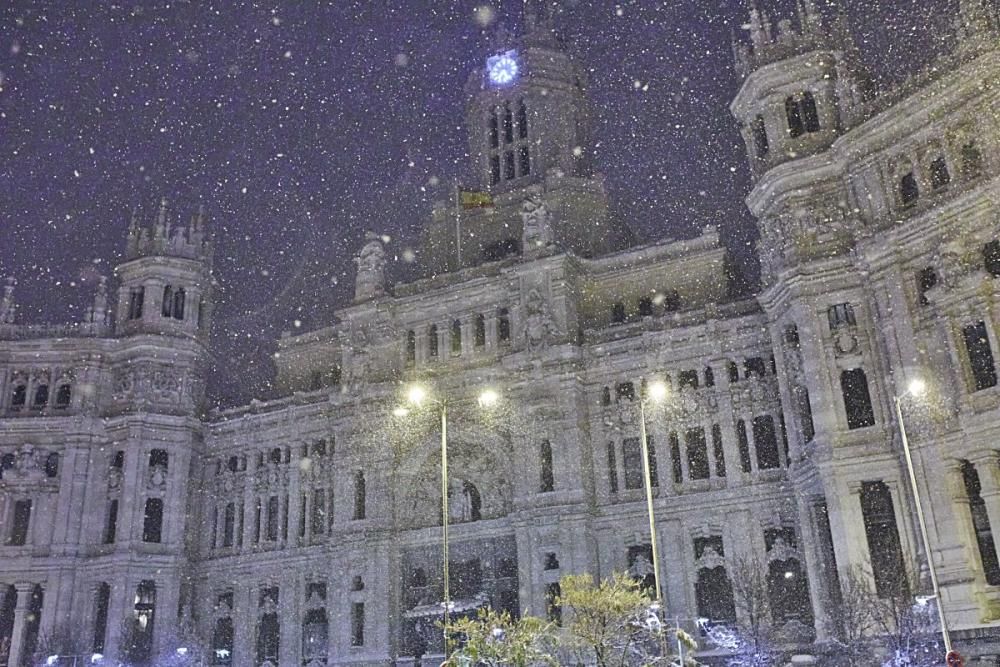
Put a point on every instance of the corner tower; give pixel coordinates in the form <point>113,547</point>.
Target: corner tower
<point>528,120</point>
<point>166,278</point>
<point>803,85</point>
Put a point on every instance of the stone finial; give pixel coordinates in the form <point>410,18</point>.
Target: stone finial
<point>370,262</point>
<point>7,305</point>
<point>99,311</point>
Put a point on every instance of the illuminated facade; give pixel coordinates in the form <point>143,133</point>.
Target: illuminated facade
<point>306,530</point>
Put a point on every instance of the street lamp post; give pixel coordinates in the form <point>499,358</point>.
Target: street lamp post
<point>917,388</point>
<point>416,395</point>
<point>656,391</point>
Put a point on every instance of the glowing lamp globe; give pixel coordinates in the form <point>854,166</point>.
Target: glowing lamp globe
<point>503,68</point>
<point>917,387</point>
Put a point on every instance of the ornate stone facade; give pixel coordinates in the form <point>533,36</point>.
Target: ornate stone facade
<point>306,530</point>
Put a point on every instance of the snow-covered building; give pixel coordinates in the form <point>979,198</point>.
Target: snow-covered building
<point>307,530</point>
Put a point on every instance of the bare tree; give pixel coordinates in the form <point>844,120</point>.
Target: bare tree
<point>754,640</point>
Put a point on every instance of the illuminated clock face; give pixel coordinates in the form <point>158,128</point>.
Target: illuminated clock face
<point>502,68</point>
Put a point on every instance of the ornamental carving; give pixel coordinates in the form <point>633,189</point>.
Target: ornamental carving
<point>157,477</point>
<point>539,327</point>
<point>710,559</point>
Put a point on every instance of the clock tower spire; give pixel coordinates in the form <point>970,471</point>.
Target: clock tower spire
<point>528,119</point>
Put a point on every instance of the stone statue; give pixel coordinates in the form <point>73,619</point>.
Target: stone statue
<point>370,281</point>
<point>538,324</point>
<point>7,303</point>
<point>536,221</point>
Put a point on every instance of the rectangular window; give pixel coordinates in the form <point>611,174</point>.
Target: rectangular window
<point>884,547</point>
<point>909,191</point>
<point>927,279</point>
<point>675,459</point>
<point>625,391</point>
<point>687,379</point>
<point>981,524</point>
<point>303,514</point>
<point>939,173</point>
<point>553,611</point>
<point>645,306</point>
<point>111,524</point>
<point>744,445</point>
<point>766,441</point>
<point>839,315</point>
<point>228,525</point>
<point>508,166</point>
<point>717,450</point>
<point>101,605</point>
<point>547,479</point>
<point>158,458</point>
<point>494,169</point>
<point>22,521</point>
<point>612,468</point>
<point>411,346</point>
<point>358,624</point>
<point>760,143</point>
<point>755,366</point>
<point>273,509</point>
<point>152,520</point>
<point>977,346</point>
<point>360,493</point>
<point>523,161</point>
<point>697,453</point>
<point>136,297</point>
<point>617,313</point>
<point>632,461</point>
<point>857,400</point>
<point>318,512</point>
<point>503,325</point>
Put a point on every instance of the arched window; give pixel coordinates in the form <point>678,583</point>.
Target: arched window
<point>432,340</point>
<point>18,396</point>
<point>687,379</point>
<point>522,120</point>
<point>167,306</point>
<point>794,117</point>
<point>179,298</point>
<point>713,594</point>
<point>927,279</point>
<point>810,116</point>
<point>6,463</point>
<point>857,399</point>
<point>760,142</point>
<point>605,396</point>
<point>548,482</point>
<point>939,173</point>
<point>41,396</point>
<point>733,371</point>
<point>523,160</point>
<point>718,453</point>
<point>456,338</point>
<point>612,469</point>
<point>137,295</point>
<point>315,631</point>
<point>909,191</point>
<point>64,394</point>
<point>159,458</point>
<point>111,523</point>
<point>358,624</point>
<point>152,520</point>
<point>981,524</point>
<point>359,495</point>
<point>709,377</point>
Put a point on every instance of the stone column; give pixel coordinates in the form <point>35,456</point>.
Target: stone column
<point>249,514</point>
<point>674,544</point>
<point>290,622</point>
<point>444,344</point>
<point>989,483</point>
<point>815,566</point>
<point>21,606</point>
<point>468,344</point>
<point>847,527</point>
<point>244,621</point>
<point>295,505</point>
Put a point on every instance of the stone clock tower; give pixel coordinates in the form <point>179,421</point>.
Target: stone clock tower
<point>528,119</point>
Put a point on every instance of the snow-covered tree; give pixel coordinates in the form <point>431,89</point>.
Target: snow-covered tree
<point>495,639</point>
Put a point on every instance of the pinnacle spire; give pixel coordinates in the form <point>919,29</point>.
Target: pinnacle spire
<point>7,305</point>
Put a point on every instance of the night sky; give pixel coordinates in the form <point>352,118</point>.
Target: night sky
<point>302,124</point>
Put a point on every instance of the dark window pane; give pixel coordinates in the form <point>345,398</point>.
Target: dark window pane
<point>547,479</point>
<point>766,442</point>
<point>744,445</point>
<point>977,346</point>
<point>21,523</point>
<point>857,400</point>
<point>909,191</point>
<point>794,118</point>
<point>152,520</point>
<point>939,173</point>
<point>883,539</point>
<point>810,116</point>
<point>697,453</point>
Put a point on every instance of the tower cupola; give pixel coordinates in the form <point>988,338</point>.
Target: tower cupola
<point>165,281</point>
<point>802,84</point>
